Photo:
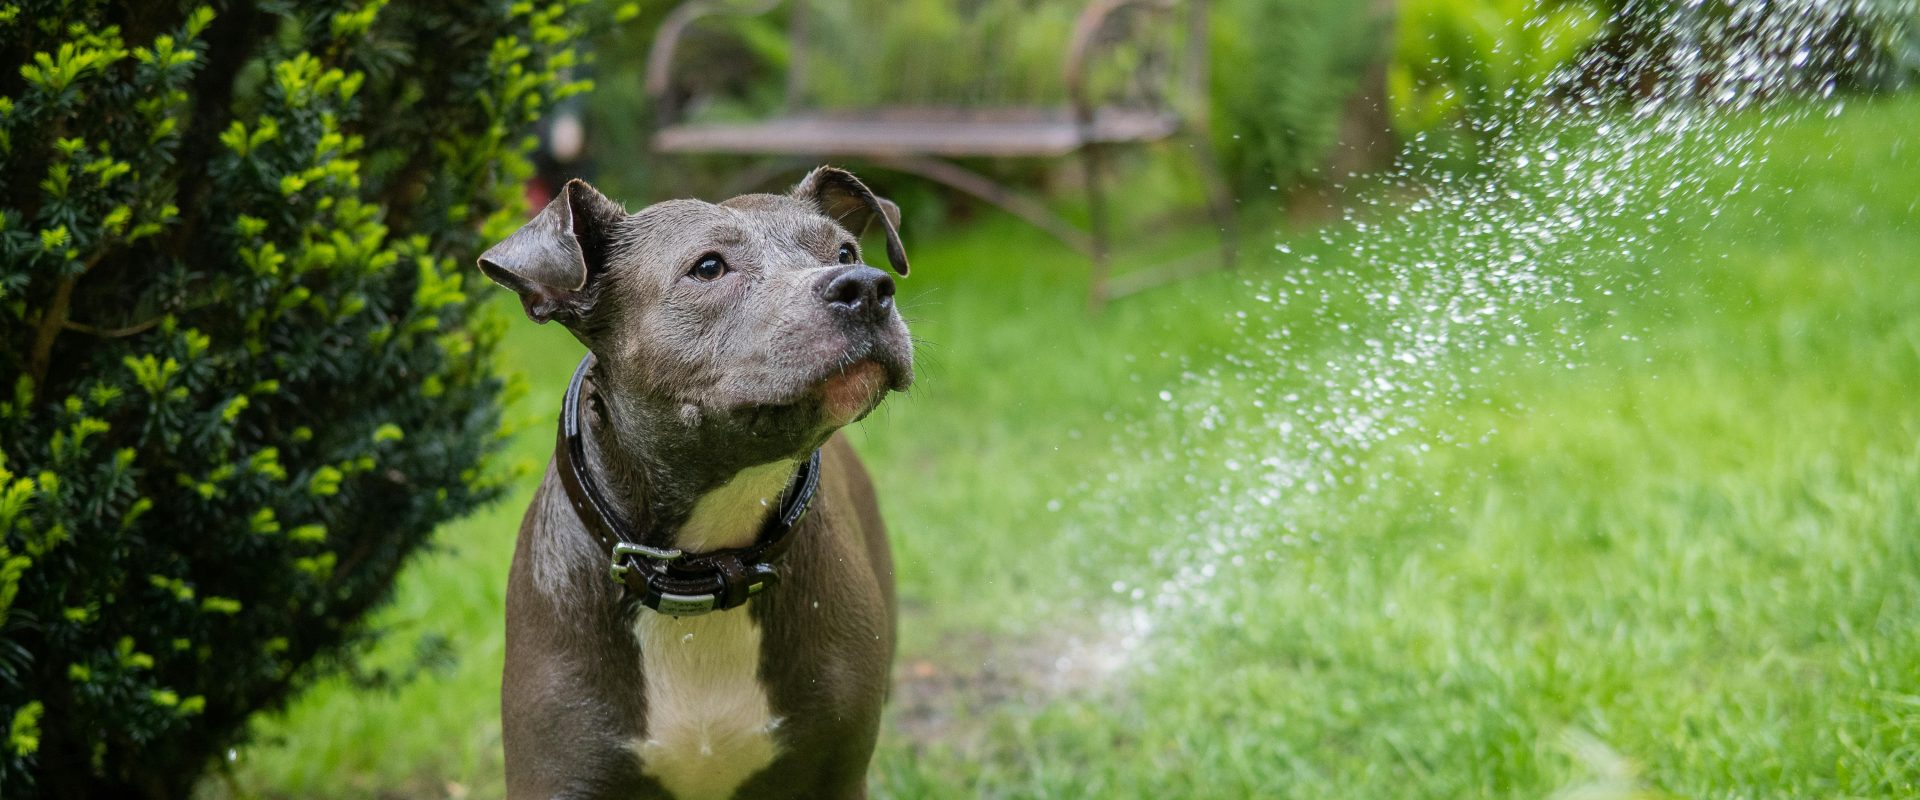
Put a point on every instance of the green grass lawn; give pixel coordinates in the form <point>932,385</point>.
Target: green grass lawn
<point>1687,566</point>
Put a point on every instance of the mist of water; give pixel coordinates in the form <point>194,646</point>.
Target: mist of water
<point>1369,345</point>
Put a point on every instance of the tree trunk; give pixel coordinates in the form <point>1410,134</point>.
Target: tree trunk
<point>1366,142</point>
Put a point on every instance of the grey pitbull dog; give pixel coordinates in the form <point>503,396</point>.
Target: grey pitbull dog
<point>701,602</point>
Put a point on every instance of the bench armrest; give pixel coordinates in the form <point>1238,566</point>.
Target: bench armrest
<point>1089,38</point>
<point>667,40</point>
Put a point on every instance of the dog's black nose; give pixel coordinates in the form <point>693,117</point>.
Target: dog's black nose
<point>860,291</point>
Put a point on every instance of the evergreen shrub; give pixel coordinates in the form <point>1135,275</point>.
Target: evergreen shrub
<point>242,375</point>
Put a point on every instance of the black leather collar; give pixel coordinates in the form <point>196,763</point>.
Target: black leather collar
<point>667,580</point>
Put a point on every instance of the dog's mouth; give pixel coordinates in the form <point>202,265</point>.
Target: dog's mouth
<point>838,394</point>
<point>849,393</point>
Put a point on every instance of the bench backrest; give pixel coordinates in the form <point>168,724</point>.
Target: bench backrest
<point>987,53</point>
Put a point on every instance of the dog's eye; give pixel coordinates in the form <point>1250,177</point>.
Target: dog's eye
<point>847,256</point>
<point>709,267</point>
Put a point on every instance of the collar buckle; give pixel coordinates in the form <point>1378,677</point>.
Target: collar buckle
<point>657,555</point>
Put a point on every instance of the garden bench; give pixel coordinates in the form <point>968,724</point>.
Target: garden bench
<point>1151,87</point>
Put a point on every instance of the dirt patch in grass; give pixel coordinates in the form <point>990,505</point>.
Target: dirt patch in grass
<point>951,695</point>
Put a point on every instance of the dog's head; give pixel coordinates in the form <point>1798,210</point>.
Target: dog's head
<point>756,321</point>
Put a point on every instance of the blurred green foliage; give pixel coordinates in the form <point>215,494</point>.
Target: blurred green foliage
<point>1857,45</point>
<point>1469,65</point>
<point>1283,71</point>
<point>990,52</point>
<point>1463,69</point>
<point>243,376</point>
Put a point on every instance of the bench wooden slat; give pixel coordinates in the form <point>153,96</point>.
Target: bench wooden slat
<point>919,131</point>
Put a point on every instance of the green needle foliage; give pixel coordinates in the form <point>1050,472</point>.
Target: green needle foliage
<point>241,375</point>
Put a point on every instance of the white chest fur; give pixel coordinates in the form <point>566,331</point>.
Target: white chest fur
<point>709,725</point>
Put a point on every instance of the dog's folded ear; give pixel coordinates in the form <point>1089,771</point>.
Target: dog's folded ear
<point>553,260</point>
<point>849,202</point>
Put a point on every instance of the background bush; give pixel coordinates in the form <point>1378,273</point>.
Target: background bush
<point>1283,71</point>
<point>242,376</point>
<point>1465,67</point>
<point>1852,45</point>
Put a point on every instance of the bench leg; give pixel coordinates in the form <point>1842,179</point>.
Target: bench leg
<point>1091,165</point>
